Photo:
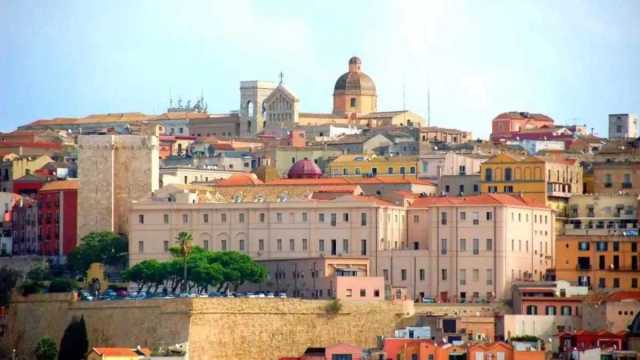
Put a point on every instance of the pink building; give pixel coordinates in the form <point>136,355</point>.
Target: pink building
<point>477,246</point>
<point>337,277</point>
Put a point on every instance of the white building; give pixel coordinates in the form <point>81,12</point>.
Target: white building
<point>534,146</point>
<point>623,126</point>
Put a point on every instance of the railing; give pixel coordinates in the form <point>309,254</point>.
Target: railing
<point>627,185</point>
<point>583,267</point>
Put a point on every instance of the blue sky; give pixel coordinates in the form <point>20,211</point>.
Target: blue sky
<point>576,61</point>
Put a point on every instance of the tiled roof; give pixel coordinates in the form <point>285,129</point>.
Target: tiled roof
<point>357,180</point>
<point>119,351</point>
<point>523,116</point>
<point>481,199</point>
<point>61,185</point>
<point>240,179</point>
<point>623,295</point>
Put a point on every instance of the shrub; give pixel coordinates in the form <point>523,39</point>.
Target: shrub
<point>62,285</point>
<point>46,349</point>
<point>31,287</point>
<point>333,307</point>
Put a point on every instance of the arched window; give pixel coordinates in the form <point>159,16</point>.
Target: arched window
<point>507,174</point>
<point>488,174</point>
<point>250,108</point>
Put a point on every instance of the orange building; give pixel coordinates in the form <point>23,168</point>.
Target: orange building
<point>412,349</point>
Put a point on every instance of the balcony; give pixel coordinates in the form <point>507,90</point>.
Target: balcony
<point>627,185</point>
<point>583,267</point>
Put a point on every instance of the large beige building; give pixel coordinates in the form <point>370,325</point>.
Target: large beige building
<point>114,170</point>
<point>478,245</point>
<point>264,222</point>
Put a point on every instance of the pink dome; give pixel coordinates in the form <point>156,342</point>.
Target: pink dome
<point>304,169</point>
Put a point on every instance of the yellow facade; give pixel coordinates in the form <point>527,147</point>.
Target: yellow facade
<point>25,165</point>
<point>547,181</point>
<point>362,165</point>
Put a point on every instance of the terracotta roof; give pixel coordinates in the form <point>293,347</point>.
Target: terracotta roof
<point>119,351</point>
<point>357,180</point>
<point>623,295</point>
<point>61,185</point>
<point>481,199</point>
<point>523,115</point>
<point>240,179</point>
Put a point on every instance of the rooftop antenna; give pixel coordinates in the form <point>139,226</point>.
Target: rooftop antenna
<point>281,76</point>
<point>170,99</point>
<point>428,106</point>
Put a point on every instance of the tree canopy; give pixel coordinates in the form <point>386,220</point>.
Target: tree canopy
<point>104,247</point>
<point>222,270</point>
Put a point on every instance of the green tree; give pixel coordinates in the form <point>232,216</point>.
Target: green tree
<point>183,250</point>
<point>237,268</point>
<point>146,273</point>
<point>62,285</point>
<point>46,349</point>
<point>74,344</point>
<point>104,247</point>
<point>8,280</point>
<point>39,274</point>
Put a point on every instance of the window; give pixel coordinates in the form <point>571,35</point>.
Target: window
<point>402,171</point>
<point>489,245</point>
<point>185,218</point>
<point>412,170</point>
<point>205,218</point>
<point>345,217</point>
<point>616,246</point>
<point>443,218</point>
<point>363,219</point>
<point>321,218</point>
<point>616,283</point>
<point>443,274</point>
<point>416,219</point>
<point>565,310</point>
<point>363,293</point>
<point>261,244</point>
<point>305,245</point>
<point>443,247</point>
<point>403,274</point>
<point>279,218</point>
<point>345,246</point>
<point>463,245</point>
<point>507,174</point>
<point>349,292</point>
<point>602,283</point>
<point>321,245</point>
<point>279,244</point>
<point>206,244</point>
<point>488,175</point>
<point>241,244</point>
<point>376,293</point>
<point>223,218</point>
<point>476,246</point>
<point>463,276</point>
<point>141,247</point>
<point>385,274</point>
<point>634,283</point>
<point>334,219</point>
<point>421,273</point>
<point>602,245</point>
<point>390,170</point>
<point>353,102</point>
<point>262,217</point>
<point>304,217</point>
<point>475,275</point>
<point>165,218</point>
<point>489,276</point>
<point>583,246</point>
<point>550,310</point>
<point>140,219</point>
<point>463,215</point>
<point>223,245</point>
<point>532,310</point>
<point>166,246</point>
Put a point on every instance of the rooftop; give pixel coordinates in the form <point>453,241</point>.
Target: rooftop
<point>481,199</point>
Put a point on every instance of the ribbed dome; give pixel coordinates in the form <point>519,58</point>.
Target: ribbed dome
<point>304,169</point>
<point>355,81</point>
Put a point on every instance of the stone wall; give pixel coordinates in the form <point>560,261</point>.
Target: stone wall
<point>215,328</point>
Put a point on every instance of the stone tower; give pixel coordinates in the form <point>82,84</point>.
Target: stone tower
<point>252,96</point>
<point>113,171</point>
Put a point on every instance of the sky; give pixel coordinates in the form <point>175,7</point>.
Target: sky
<point>576,61</point>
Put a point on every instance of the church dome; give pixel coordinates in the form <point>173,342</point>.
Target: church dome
<point>355,81</point>
<point>304,169</point>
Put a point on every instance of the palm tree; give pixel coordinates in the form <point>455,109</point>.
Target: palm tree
<point>184,243</point>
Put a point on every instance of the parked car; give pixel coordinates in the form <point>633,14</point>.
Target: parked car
<point>123,293</point>
<point>215,294</point>
<point>281,294</point>
<point>428,300</point>
<point>85,296</point>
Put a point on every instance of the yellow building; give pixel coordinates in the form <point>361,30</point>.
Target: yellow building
<point>362,165</point>
<point>15,166</point>
<point>545,180</point>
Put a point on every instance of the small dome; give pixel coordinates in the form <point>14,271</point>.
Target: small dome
<point>355,60</point>
<point>304,169</point>
<point>354,81</point>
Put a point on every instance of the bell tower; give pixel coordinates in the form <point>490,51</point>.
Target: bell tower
<point>251,114</point>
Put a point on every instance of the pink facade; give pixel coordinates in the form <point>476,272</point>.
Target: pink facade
<point>359,287</point>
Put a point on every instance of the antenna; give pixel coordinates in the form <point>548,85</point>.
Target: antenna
<point>281,76</point>
<point>428,106</point>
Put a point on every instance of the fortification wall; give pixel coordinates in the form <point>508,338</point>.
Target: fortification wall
<point>214,328</point>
